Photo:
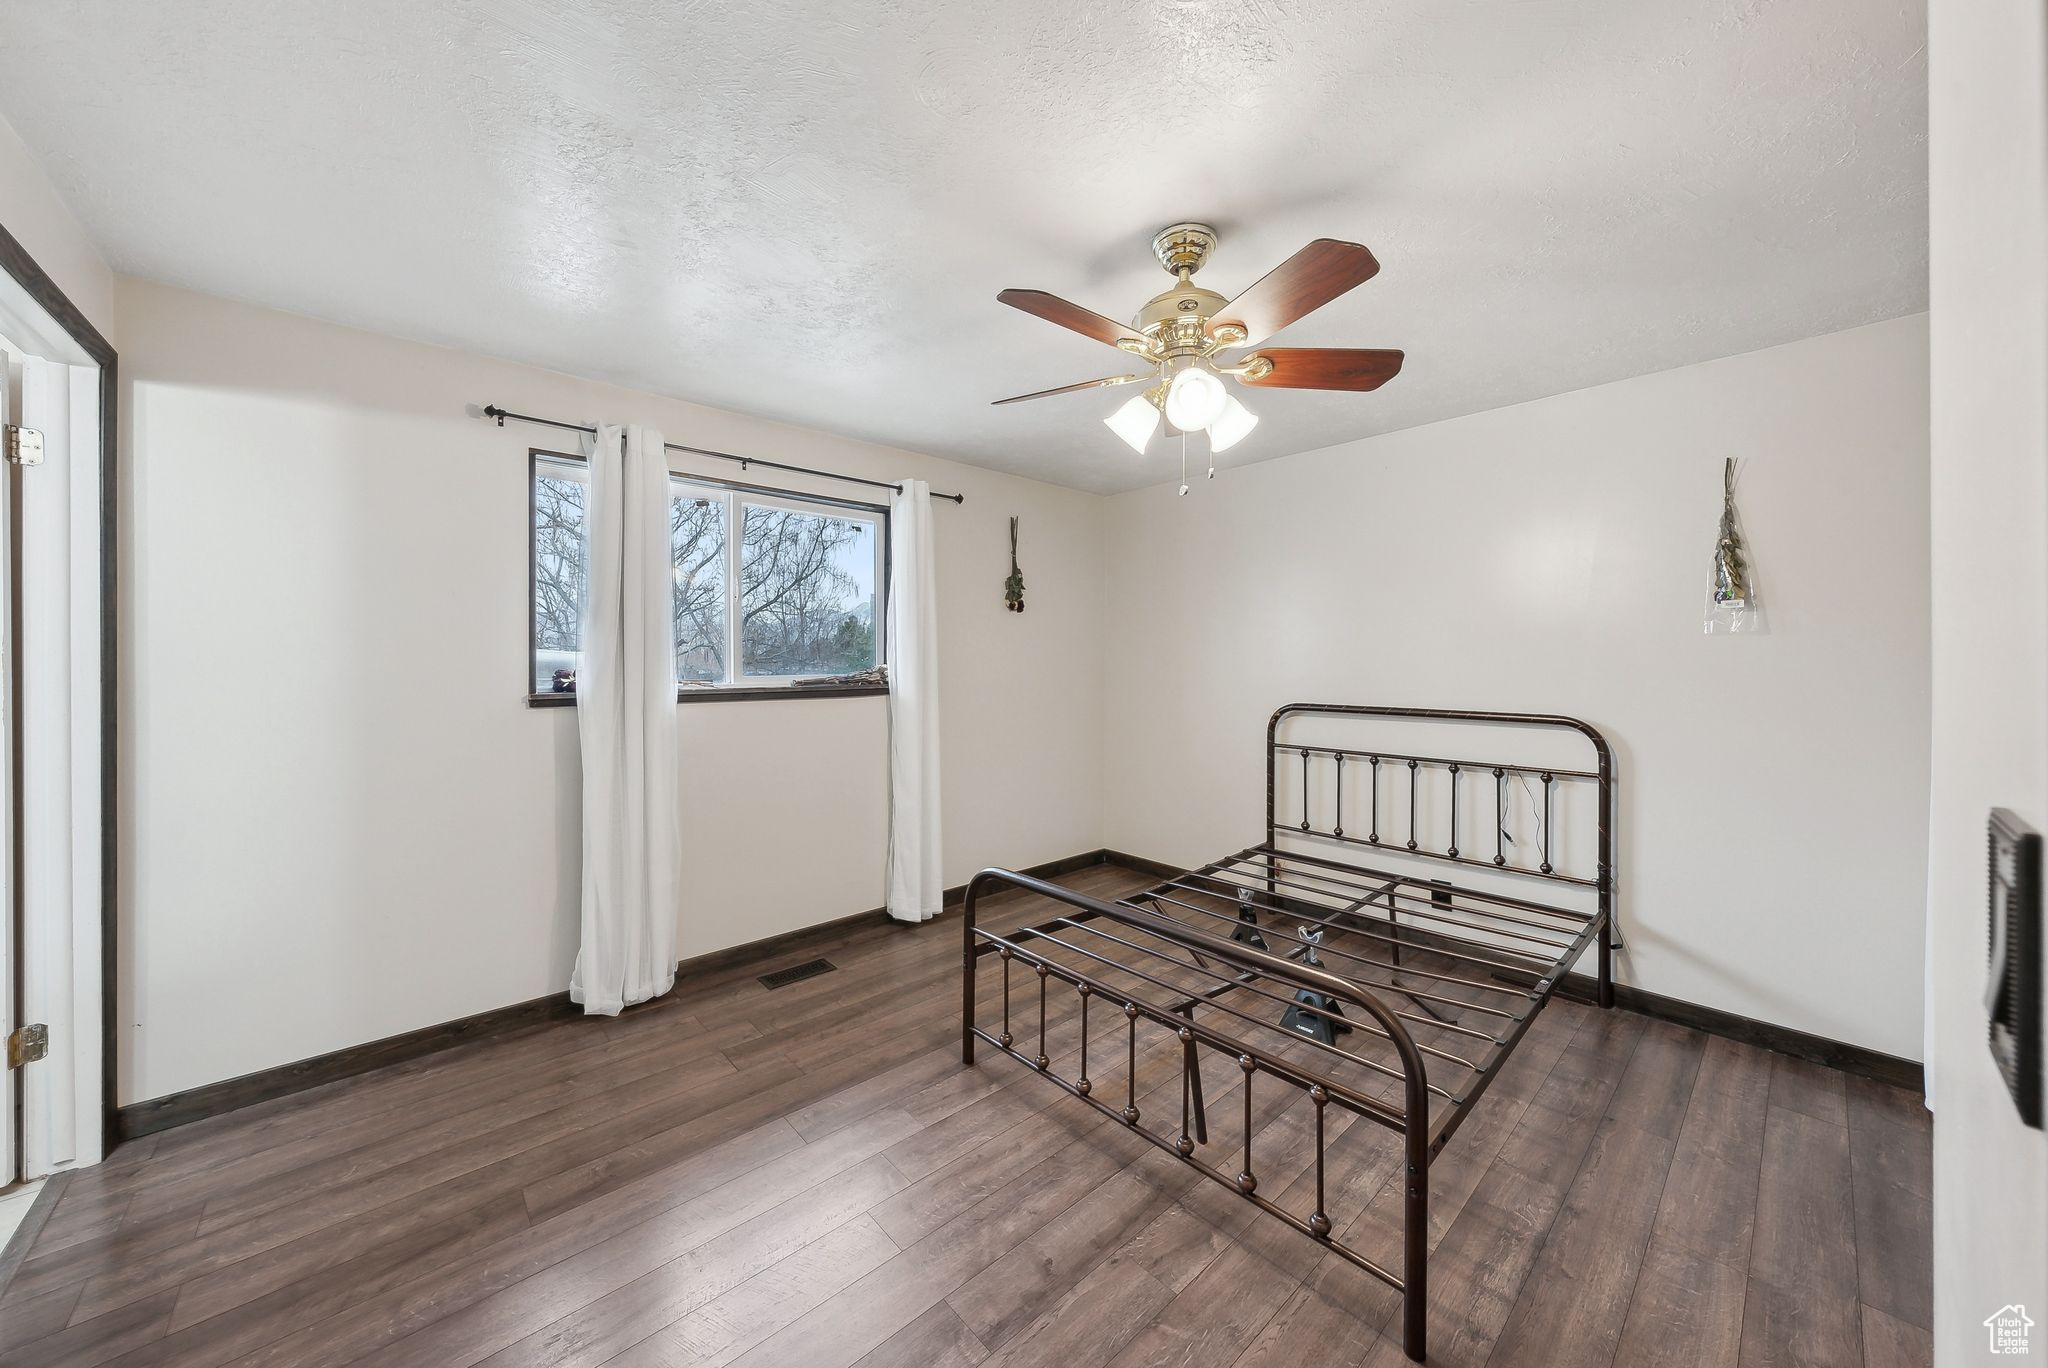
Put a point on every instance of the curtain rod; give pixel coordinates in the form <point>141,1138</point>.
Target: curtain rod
<point>501,414</point>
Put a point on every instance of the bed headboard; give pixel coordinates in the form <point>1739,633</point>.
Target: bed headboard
<point>1405,781</point>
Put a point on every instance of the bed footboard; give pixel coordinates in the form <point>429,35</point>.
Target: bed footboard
<point>1153,981</point>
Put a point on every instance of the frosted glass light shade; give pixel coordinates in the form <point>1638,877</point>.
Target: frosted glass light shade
<point>1232,425</point>
<point>1194,398</point>
<point>1135,422</point>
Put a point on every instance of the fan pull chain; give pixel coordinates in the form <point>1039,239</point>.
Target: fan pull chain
<point>1183,464</point>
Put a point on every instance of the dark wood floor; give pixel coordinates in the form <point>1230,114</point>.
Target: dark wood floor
<point>809,1177</point>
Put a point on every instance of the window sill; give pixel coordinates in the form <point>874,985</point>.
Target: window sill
<point>736,694</point>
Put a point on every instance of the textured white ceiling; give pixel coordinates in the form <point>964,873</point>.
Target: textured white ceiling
<point>804,210</point>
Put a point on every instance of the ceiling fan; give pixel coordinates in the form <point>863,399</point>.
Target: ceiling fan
<point>1182,334</point>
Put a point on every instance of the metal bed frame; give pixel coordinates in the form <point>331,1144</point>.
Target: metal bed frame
<point>1435,983</point>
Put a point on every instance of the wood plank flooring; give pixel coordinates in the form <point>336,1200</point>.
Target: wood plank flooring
<point>809,1178</point>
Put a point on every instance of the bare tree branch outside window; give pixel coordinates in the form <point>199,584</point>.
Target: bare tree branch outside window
<point>806,586</point>
<point>558,570</point>
<point>696,536</point>
<point>803,612</point>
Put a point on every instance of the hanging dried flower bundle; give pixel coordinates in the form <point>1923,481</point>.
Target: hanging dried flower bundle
<point>1013,587</point>
<point>1732,604</point>
<point>1731,566</point>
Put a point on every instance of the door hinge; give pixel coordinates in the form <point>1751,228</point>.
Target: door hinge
<point>28,1045</point>
<point>24,445</point>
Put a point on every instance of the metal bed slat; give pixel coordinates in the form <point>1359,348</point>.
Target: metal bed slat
<point>1422,906</point>
<point>1272,902</point>
<point>1250,864</point>
<point>1491,987</point>
<point>1381,964</point>
<point>1384,893</point>
<point>1232,983</point>
<point>1533,960</point>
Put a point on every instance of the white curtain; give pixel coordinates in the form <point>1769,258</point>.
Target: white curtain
<point>626,719</point>
<point>916,889</point>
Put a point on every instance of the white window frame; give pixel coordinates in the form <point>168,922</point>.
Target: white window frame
<point>736,498</point>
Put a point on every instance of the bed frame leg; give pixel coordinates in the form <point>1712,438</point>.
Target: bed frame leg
<point>1606,965</point>
<point>967,976</point>
<point>1415,1266</point>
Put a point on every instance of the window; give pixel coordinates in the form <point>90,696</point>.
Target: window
<point>558,565</point>
<point>769,587</point>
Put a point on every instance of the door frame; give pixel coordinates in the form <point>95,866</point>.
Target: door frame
<point>16,261</point>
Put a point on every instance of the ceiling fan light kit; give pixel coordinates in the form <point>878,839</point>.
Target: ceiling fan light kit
<point>1194,398</point>
<point>1183,332</point>
<point>1135,422</point>
<point>1232,425</point>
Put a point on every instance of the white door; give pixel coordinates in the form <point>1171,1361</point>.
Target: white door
<point>50,744</point>
<point>56,788</point>
<point>49,761</point>
<point>10,884</point>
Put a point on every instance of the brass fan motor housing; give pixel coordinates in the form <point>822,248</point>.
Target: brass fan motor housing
<point>1176,320</point>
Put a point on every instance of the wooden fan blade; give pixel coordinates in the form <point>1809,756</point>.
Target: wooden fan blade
<point>1086,322</point>
<point>1297,287</point>
<point>1326,368</point>
<point>1069,389</point>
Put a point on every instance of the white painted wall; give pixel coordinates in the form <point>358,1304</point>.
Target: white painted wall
<point>1554,556</point>
<point>1988,192</point>
<point>40,221</point>
<point>342,819</point>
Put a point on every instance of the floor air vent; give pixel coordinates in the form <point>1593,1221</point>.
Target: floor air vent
<point>796,973</point>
